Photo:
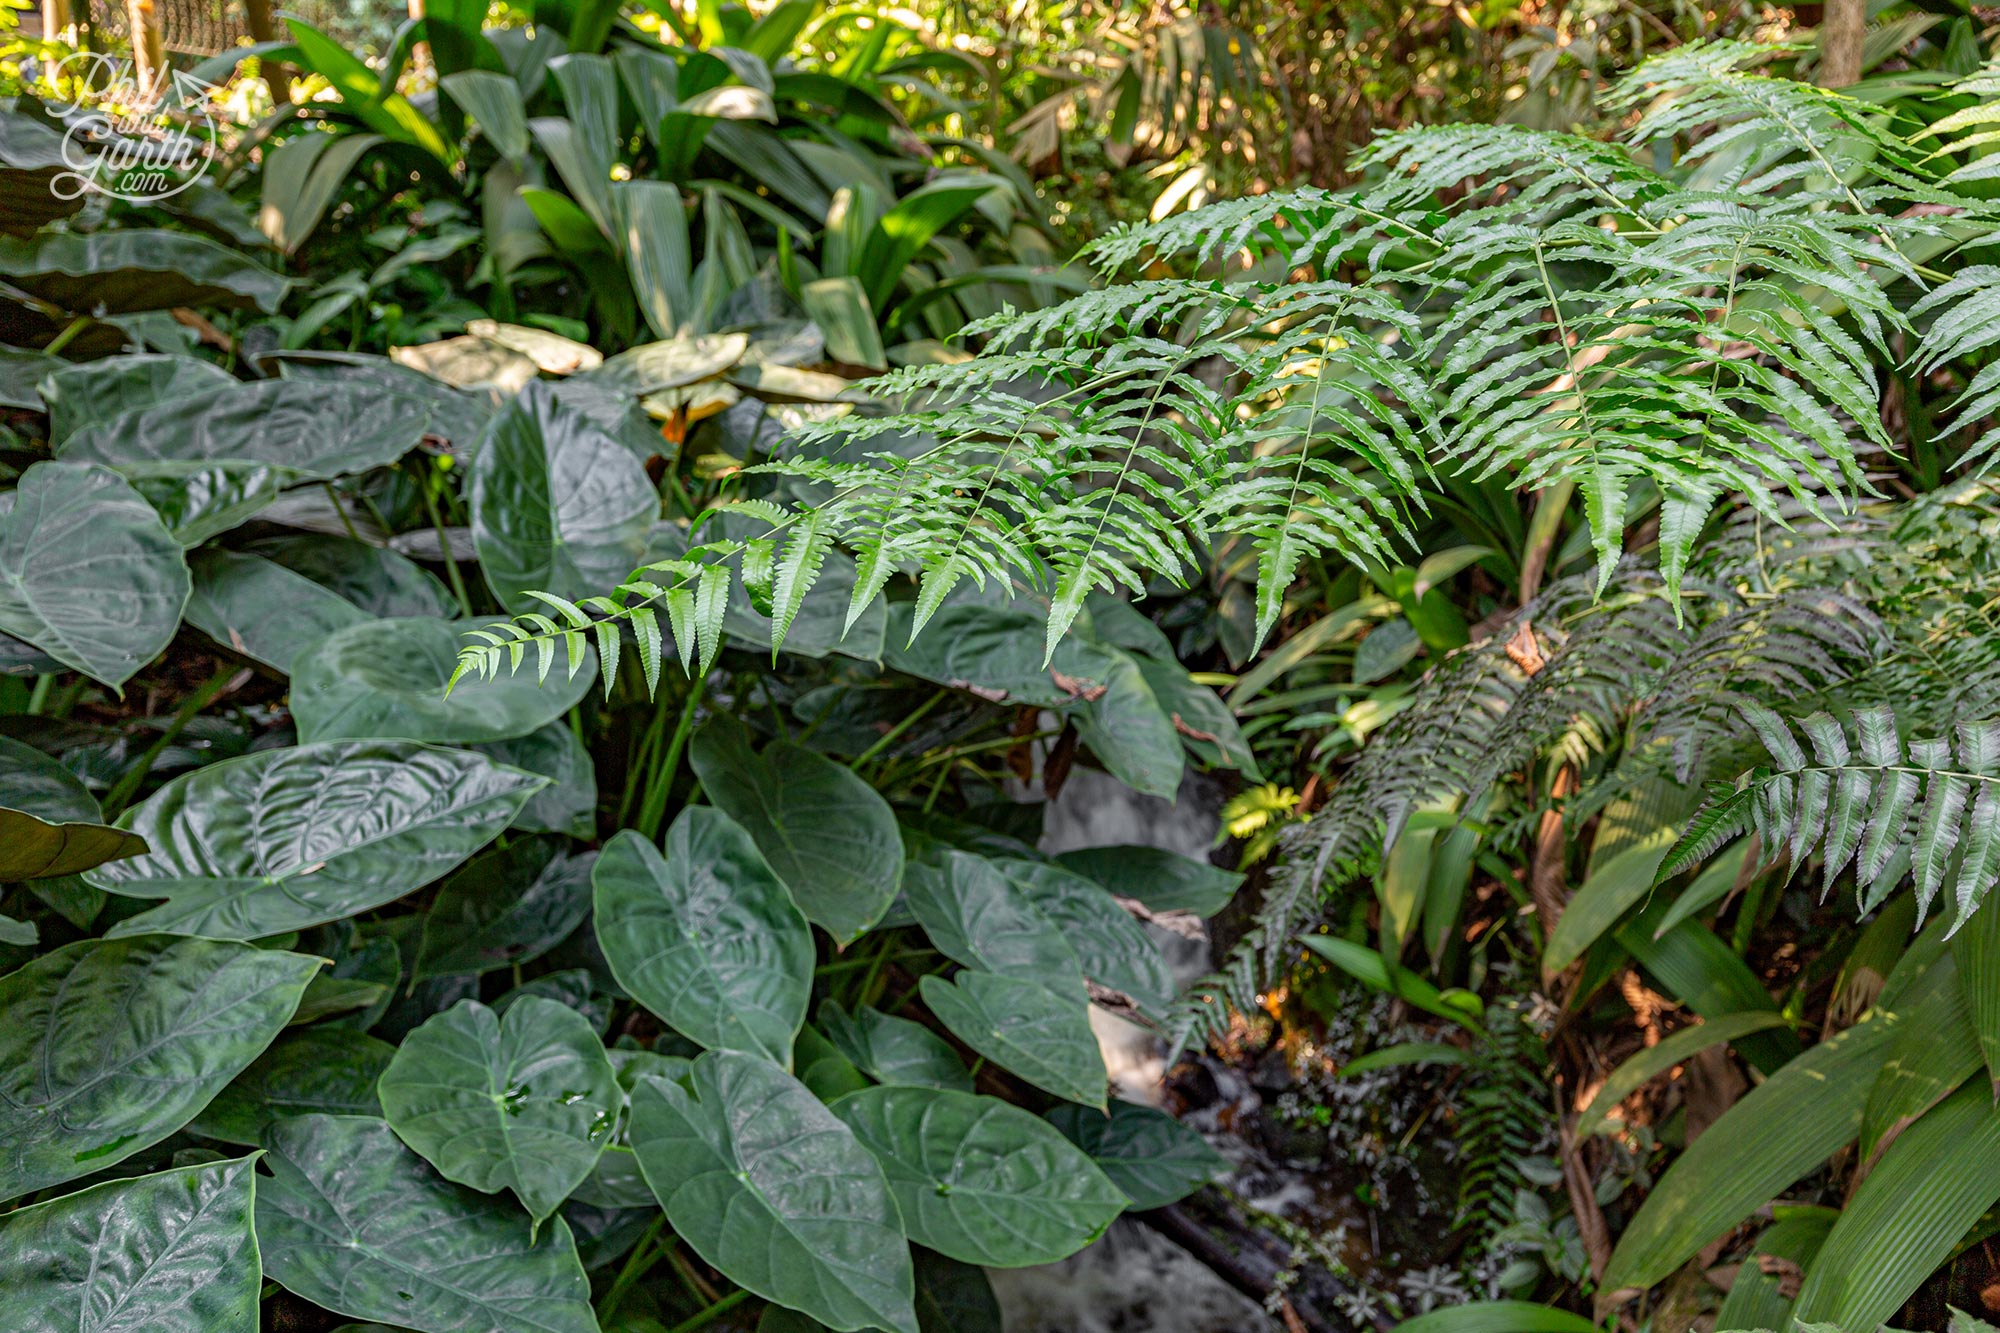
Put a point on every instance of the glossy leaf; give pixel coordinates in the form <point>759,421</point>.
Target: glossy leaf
<point>353,1221</point>
<point>111,1045</point>
<point>830,837</point>
<point>979,1180</point>
<point>504,907</point>
<point>1159,880</point>
<point>1109,944</point>
<point>123,269</point>
<point>1023,1027</point>
<point>285,839</point>
<point>524,1101</point>
<point>386,678</point>
<point>766,1184</point>
<point>1147,1153</point>
<point>379,581</point>
<point>569,803</point>
<point>166,1253</point>
<point>559,504</point>
<point>88,573</point>
<point>706,936</point>
<point>975,915</point>
<point>261,609</point>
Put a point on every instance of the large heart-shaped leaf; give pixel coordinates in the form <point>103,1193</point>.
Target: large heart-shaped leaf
<point>198,501</point>
<point>975,915</point>
<point>559,504</point>
<point>894,1050</point>
<point>261,609</point>
<point>111,1045</point>
<point>1147,1153</point>
<point>832,839</point>
<point>524,1101</point>
<point>503,907</point>
<point>49,822</point>
<point>1025,1027</point>
<point>979,1180</point>
<point>387,678</point>
<point>355,1222</point>
<point>331,1070</point>
<point>1107,941</point>
<point>126,269</point>
<point>88,573</point>
<point>706,936</point>
<point>317,428</point>
<point>93,390</point>
<point>167,1253</point>
<point>284,839</point>
<point>765,1183</point>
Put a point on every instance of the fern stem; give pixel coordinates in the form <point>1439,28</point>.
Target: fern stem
<point>444,548</point>
<point>660,782</point>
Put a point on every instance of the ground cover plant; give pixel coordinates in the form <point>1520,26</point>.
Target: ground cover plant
<point>523,755</point>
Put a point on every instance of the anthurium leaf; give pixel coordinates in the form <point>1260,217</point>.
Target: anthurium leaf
<point>1147,1153</point>
<point>505,906</point>
<point>1024,1027</point>
<point>569,803</point>
<point>1653,1061</point>
<point>894,1050</point>
<point>374,578</point>
<point>831,838</point>
<point>1159,880</point>
<point>706,937</point>
<point>201,500</point>
<point>166,1253</point>
<point>49,822</point>
<point>126,269</point>
<point>317,428</point>
<point>353,1221</point>
<point>980,1180</point>
<point>1108,942</point>
<point>523,1101</point>
<point>386,678</point>
<point>1498,1317</point>
<point>1783,1128</point>
<point>111,1045</point>
<point>766,1184</point>
<point>78,394</point>
<point>315,1069</point>
<point>261,609</point>
<point>284,839</point>
<point>1130,729</point>
<point>1936,1180</point>
<point>559,504</point>
<point>88,573</point>
<point>976,915</point>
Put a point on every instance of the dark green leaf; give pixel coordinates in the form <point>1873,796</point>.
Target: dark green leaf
<point>979,1180</point>
<point>506,906</point>
<point>975,915</point>
<point>706,936</point>
<point>832,839</point>
<point>894,1050</point>
<point>766,1184</point>
<point>1023,1027</point>
<point>88,573</point>
<point>315,1069</point>
<point>1159,880</point>
<point>524,1102</point>
<point>569,803</point>
<point>49,822</point>
<point>386,678</point>
<point>111,1045</point>
<point>353,1221</point>
<point>285,839</point>
<point>261,609</point>
<point>166,1253</point>
<point>127,269</point>
<point>379,581</point>
<point>1107,941</point>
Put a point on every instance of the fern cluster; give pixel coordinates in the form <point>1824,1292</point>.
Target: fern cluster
<point>1497,302</point>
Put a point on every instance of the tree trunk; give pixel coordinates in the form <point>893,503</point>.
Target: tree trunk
<point>277,77</point>
<point>1841,31</point>
<point>55,19</point>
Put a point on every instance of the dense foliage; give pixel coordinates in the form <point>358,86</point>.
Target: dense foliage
<point>522,765</point>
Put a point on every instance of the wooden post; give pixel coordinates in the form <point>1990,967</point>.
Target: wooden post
<point>149,53</point>
<point>55,19</point>
<point>277,77</point>
<point>1843,27</point>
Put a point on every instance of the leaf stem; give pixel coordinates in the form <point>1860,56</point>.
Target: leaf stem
<point>68,335</point>
<point>654,808</point>
<point>890,737</point>
<point>444,548</point>
<point>634,1268</point>
<point>128,786</point>
<point>713,1312</point>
